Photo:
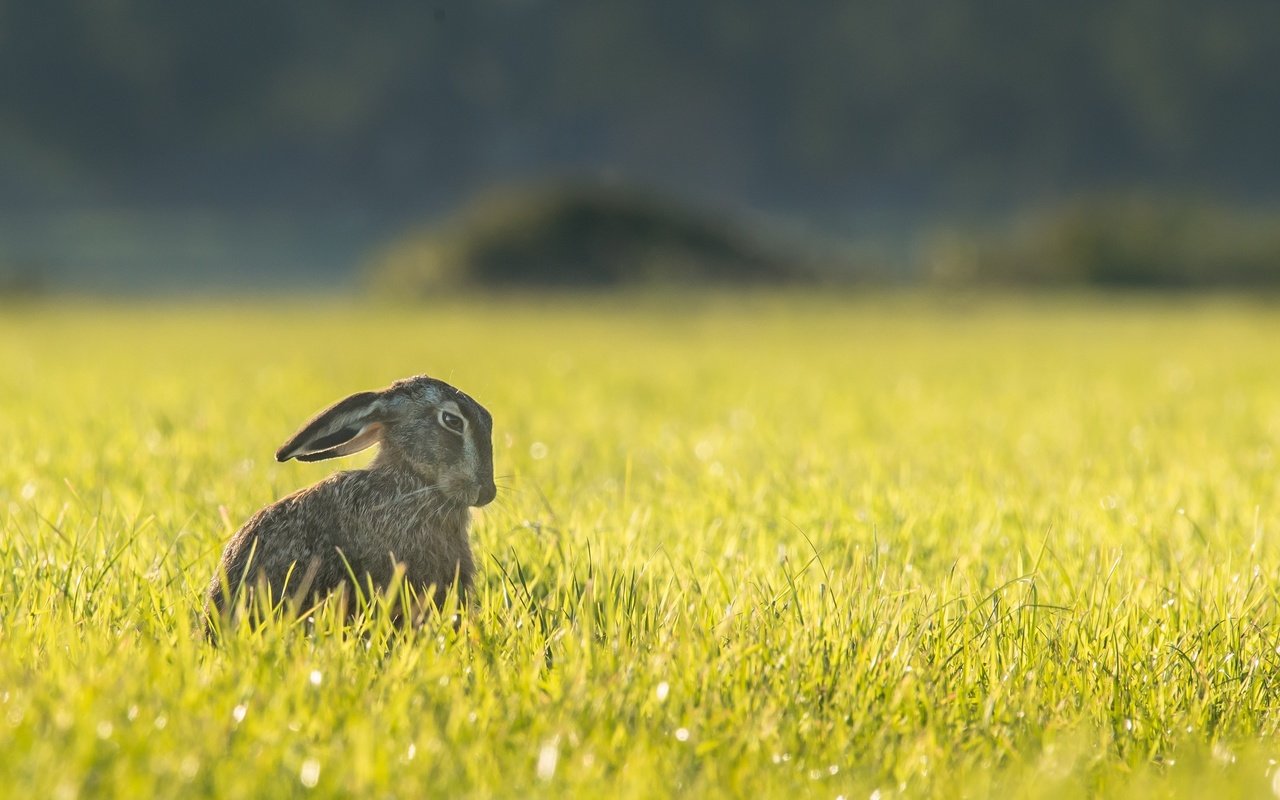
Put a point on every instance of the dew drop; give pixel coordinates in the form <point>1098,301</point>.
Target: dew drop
<point>309,775</point>
<point>548,757</point>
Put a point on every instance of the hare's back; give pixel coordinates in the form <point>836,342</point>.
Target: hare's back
<point>286,545</point>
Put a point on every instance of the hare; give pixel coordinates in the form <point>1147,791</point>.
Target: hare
<point>405,514</point>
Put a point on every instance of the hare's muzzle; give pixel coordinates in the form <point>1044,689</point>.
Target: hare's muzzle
<point>486,493</point>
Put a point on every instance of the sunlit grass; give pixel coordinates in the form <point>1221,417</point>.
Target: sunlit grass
<point>747,546</point>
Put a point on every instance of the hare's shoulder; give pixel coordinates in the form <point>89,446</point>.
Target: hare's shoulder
<point>328,513</point>
<point>306,507</point>
<point>350,499</point>
<point>336,490</point>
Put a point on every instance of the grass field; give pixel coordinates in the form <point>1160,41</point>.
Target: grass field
<point>862,547</point>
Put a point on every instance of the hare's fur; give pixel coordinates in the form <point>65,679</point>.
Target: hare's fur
<point>406,515</point>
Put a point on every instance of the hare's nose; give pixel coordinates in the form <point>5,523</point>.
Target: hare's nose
<point>487,492</point>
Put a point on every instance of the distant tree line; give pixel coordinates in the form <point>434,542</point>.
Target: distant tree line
<point>579,235</point>
<point>1118,240</point>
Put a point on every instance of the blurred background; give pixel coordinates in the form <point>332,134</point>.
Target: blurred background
<point>417,147</point>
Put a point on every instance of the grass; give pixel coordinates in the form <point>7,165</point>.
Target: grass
<point>877,547</point>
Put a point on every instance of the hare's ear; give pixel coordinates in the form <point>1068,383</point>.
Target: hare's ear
<point>343,428</point>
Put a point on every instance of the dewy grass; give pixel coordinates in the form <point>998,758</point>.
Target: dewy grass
<point>744,545</point>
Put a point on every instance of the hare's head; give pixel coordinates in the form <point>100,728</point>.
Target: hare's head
<point>423,425</point>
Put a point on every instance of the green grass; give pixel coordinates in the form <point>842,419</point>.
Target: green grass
<point>748,546</point>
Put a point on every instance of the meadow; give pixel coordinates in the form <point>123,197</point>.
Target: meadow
<point>854,546</point>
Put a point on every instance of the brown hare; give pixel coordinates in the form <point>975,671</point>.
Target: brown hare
<point>405,514</point>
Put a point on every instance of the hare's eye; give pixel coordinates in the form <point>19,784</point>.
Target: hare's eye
<point>452,421</point>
